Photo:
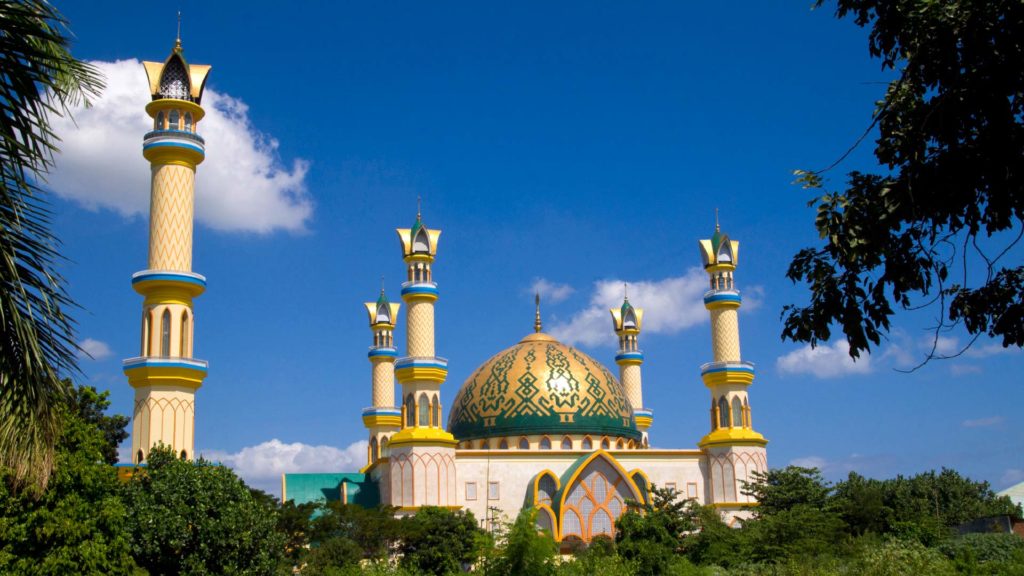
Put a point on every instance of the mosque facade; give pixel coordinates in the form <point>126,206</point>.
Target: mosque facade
<point>539,425</point>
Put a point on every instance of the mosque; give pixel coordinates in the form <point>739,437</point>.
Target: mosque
<point>539,425</point>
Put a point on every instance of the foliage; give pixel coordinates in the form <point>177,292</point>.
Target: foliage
<point>438,541</point>
<point>650,534</point>
<point>779,490</point>
<point>91,407</point>
<point>373,531</point>
<point>986,553</point>
<point>949,200</point>
<point>75,526</point>
<point>198,518</point>
<point>525,550</point>
<point>293,524</point>
<point>901,557</point>
<point>40,78</point>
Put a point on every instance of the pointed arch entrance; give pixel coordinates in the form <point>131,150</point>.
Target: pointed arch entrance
<point>593,497</point>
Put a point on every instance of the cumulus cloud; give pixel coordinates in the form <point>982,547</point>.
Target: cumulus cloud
<point>242,185</point>
<point>550,291</point>
<point>94,349</point>
<point>809,462</point>
<point>825,361</point>
<point>982,422</point>
<point>670,305</point>
<point>261,466</point>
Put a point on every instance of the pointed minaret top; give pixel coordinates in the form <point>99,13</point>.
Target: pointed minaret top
<point>716,220</point>
<point>536,321</point>
<point>177,40</point>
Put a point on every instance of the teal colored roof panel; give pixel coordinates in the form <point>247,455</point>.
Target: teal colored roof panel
<point>327,487</point>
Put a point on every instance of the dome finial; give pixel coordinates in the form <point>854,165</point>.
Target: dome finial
<point>536,320</point>
<point>625,291</point>
<point>177,40</point>
<point>717,229</point>
<point>419,203</point>
<point>382,285</point>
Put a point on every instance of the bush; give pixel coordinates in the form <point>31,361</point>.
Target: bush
<point>902,557</point>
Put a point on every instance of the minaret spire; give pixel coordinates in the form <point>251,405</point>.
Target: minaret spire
<point>537,326</point>
<point>626,321</point>
<point>177,40</point>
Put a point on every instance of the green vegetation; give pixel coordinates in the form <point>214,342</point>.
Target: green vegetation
<point>932,226</point>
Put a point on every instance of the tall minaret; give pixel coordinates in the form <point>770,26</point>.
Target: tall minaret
<point>734,449</point>
<point>383,418</point>
<point>422,453</point>
<point>165,375</point>
<point>626,321</point>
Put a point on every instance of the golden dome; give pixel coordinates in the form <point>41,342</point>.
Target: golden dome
<point>541,386</point>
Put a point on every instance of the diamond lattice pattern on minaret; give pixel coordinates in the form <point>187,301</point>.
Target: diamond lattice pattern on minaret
<point>170,242</point>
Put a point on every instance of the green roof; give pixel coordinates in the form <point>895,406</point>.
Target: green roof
<point>326,487</point>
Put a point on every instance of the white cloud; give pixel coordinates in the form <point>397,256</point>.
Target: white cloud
<point>964,369</point>
<point>825,361</point>
<point>241,186</point>
<point>670,305</point>
<point>809,462</point>
<point>1012,476</point>
<point>550,291</point>
<point>94,349</point>
<point>982,422</point>
<point>261,466</point>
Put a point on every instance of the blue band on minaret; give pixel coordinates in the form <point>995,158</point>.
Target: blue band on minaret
<point>716,296</point>
<point>420,288</point>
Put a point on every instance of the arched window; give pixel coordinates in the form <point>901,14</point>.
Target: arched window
<point>158,124</point>
<point>139,457</point>
<point>373,450</point>
<point>145,333</point>
<point>631,444</point>
<point>588,444</point>
<point>410,410</point>
<point>172,120</point>
<point>524,444</point>
<point>546,489</point>
<point>485,445</point>
<point>723,413</point>
<point>737,412</point>
<point>383,314</point>
<point>629,321</point>
<point>566,443</point>
<point>184,336</point>
<point>545,443</point>
<point>424,411</point>
<point>595,499</point>
<point>436,404</point>
<point>619,445</point>
<point>383,447</point>
<point>605,444</point>
<point>503,445</point>
<point>188,121</point>
<point>421,243</point>
<point>165,334</point>
<point>184,455</point>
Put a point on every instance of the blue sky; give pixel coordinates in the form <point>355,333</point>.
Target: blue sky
<point>568,146</point>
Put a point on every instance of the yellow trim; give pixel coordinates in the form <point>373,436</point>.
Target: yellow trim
<point>174,104</point>
<point>742,377</point>
<point>180,292</point>
<point>420,374</point>
<point>383,420</point>
<point>629,362</point>
<point>419,296</point>
<point>422,435</point>
<point>284,489</point>
<point>646,478</point>
<point>614,463</point>
<point>733,437</point>
<point>555,524</point>
<point>382,358</point>
<point>165,375</point>
<point>174,155</point>
<point>644,422</point>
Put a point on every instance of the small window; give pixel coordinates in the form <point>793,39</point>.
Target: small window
<point>424,411</point>
<point>485,445</point>
<point>566,443</point>
<point>470,490</point>
<point>503,445</point>
<point>184,336</point>
<point>139,457</point>
<point>184,455</point>
<point>524,444</point>
<point>723,413</point>
<point>619,445</point>
<point>420,244</point>
<point>671,486</point>
<point>605,444</point>
<point>691,489</point>
<point>436,404</point>
<point>172,120</point>
<point>373,450</point>
<point>165,334</point>
<point>545,443</point>
<point>145,333</point>
<point>410,410</point>
<point>492,491</point>
<point>737,412</point>
<point>188,121</point>
<point>159,123</point>
<point>588,444</point>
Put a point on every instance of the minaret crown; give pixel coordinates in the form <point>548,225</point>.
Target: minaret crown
<point>418,242</point>
<point>626,318</point>
<point>382,313</point>
<point>176,79</point>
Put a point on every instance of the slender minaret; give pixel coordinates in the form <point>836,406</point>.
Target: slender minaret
<point>626,321</point>
<point>383,418</point>
<point>422,453</point>
<point>165,375</point>
<point>733,448</point>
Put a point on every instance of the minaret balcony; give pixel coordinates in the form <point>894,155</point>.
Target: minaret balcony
<point>386,416</point>
<point>421,368</point>
<point>714,299</point>
<point>170,371</point>
<point>425,290</point>
<point>719,373</point>
<point>185,134</point>
<point>625,357</point>
<point>162,145</point>
<point>147,281</point>
<point>382,352</point>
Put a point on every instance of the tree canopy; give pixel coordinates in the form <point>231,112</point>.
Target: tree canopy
<point>937,224</point>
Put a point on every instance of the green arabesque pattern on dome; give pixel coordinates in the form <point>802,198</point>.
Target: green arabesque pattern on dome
<point>541,386</point>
